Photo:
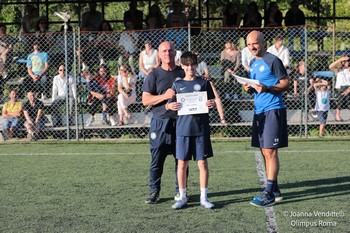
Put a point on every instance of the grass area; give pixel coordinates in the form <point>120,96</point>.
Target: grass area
<point>101,187</point>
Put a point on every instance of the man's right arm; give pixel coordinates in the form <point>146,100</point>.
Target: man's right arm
<point>149,100</point>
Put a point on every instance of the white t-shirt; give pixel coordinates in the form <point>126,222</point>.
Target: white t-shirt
<point>201,68</point>
<point>343,78</point>
<point>282,53</point>
<point>129,41</point>
<point>322,100</point>
<point>246,56</point>
<point>131,80</point>
<point>149,60</point>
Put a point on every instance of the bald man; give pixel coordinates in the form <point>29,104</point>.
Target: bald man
<point>156,92</point>
<point>270,119</point>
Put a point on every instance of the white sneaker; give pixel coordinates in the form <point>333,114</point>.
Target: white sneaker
<point>113,123</point>
<point>43,96</point>
<point>90,121</point>
<point>179,204</point>
<point>207,204</point>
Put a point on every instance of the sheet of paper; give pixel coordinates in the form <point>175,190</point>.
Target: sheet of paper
<point>248,81</point>
<point>192,103</point>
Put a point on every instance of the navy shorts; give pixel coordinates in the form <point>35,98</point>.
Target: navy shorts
<point>196,147</point>
<point>270,129</point>
<point>322,117</point>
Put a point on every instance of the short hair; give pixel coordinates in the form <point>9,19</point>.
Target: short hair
<point>188,58</point>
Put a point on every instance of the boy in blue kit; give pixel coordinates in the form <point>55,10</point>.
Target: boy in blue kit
<point>192,131</point>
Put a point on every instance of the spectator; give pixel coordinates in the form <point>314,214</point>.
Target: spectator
<point>92,19</point>
<point>127,92</point>
<point>128,43</point>
<point>232,18</point>
<point>273,16</point>
<point>252,18</point>
<point>178,54</point>
<point>86,51</point>
<point>29,19</point>
<point>11,112</point>
<point>176,16</point>
<point>154,12</point>
<point>341,68</point>
<point>41,34</point>
<point>230,63</point>
<point>322,103</point>
<point>134,15</point>
<point>246,59</point>
<point>295,17</point>
<point>37,66</point>
<point>202,70</point>
<point>148,60</point>
<point>103,90</point>
<point>282,52</point>
<point>33,110</point>
<point>154,34</point>
<point>105,43</point>
<point>60,92</point>
<point>177,34</point>
<point>6,42</point>
<point>298,76</point>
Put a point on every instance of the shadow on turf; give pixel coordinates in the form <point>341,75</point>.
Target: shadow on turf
<point>321,188</point>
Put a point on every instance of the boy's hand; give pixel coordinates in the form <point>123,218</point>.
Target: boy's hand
<point>210,103</point>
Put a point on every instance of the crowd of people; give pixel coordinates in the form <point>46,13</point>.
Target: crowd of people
<point>113,94</point>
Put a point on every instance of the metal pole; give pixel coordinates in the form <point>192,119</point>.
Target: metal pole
<point>66,74</point>
<point>76,89</point>
<point>305,83</point>
<point>189,35</point>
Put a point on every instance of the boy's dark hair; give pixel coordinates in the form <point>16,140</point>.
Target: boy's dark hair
<point>188,58</point>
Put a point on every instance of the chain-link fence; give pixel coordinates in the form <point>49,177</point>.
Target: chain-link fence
<point>102,97</point>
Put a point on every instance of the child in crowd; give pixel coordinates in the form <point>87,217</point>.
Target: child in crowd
<point>192,131</point>
<point>322,105</point>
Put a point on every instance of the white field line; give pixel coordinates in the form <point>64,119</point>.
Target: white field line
<point>148,153</point>
<point>270,216</point>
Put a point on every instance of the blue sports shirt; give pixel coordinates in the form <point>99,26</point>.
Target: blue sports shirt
<point>196,124</point>
<point>268,71</point>
<point>157,83</point>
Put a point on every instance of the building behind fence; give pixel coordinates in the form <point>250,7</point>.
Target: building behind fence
<point>311,51</point>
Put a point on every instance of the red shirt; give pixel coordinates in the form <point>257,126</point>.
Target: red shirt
<point>107,83</point>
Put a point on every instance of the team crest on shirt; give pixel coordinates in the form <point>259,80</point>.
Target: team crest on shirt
<point>153,135</point>
<point>196,87</point>
<point>261,68</point>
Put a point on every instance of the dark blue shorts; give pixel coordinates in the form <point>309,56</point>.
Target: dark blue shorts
<point>196,147</point>
<point>322,117</point>
<point>270,129</point>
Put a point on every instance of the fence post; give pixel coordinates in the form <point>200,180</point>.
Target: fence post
<point>305,83</point>
<point>189,36</point>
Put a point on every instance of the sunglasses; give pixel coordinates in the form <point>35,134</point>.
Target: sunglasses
<point>61,69</point>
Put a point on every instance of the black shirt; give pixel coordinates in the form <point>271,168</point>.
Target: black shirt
<point>33,109</point>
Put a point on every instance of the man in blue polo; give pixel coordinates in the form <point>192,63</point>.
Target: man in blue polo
<point>156,92</point>
<point>270,120</point>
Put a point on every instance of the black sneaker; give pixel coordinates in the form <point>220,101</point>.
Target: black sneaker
<point>153,198</point>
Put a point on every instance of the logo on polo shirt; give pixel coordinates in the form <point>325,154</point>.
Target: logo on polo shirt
<point>197,87</point>
<point>262,68</point>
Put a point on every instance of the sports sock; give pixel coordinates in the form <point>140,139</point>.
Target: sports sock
<point>275,187</point>
<point>204,192</point>
<point>269,186</point>
<point>182,193</point>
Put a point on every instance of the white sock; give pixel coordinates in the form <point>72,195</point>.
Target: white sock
<point>204,192</point>
<point>182,193</point>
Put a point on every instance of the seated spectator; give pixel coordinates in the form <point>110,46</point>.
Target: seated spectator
<point>92,19</point>
<point>60,91</point>
<point>28,24</point>
<point>105,43</point>
<point>246,58</point>
<point>11,112</point>
<point>37,67</point>
<point>103,90</point>
<point>252,18</point>
<point>230,63</point>
<point>202,70</point>
<point>134,15</point>
<point>322,105</point>
<point>178,54</point>
<point>281,51</point>
<point>127,92</point>
<point>128,45</point>
<point>177,34</point>
<point>6,45</point>
<point>177,16</point>
<point>295,17</point>
<point>148,60</point>
<point>33,110</point>
<point>3,70</point>
<point>154,12</point>
<point>341,68</point>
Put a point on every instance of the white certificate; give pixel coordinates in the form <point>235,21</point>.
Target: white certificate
<point>192,103</point>
<point>248,81</point>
